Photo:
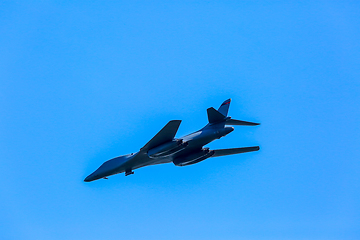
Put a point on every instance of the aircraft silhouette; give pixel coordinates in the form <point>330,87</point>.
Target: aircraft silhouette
<point>187,150</point>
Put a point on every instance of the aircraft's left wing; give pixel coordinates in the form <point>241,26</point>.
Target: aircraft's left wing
<point>165,135</point>
<point>230,151</point>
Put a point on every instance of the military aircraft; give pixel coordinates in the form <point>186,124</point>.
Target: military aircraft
<point>187,150</point>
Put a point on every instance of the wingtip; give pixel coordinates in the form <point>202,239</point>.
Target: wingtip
<point>175,122</point>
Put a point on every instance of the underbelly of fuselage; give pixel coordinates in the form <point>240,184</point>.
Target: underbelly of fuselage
<point>192,147</point>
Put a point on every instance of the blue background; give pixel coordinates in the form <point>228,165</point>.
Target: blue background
<point>85,81</point>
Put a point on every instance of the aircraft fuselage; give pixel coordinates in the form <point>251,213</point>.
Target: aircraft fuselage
<point>187,150</point>
<point>194,142</point>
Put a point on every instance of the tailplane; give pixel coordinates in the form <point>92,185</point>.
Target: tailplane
<point>214,116</point>
<point>220,115</point>
<point>235,122</point>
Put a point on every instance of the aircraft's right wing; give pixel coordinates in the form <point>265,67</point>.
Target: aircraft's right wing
<point>230,151</point>
<point>165,135</point>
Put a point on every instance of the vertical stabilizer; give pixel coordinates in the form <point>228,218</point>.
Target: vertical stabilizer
<point>224,108</point>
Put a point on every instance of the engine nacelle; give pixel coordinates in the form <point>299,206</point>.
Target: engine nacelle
<point>194,157</point>
<point>167,149</point>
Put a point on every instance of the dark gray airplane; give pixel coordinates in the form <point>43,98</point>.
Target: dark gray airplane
<point>165,148</point>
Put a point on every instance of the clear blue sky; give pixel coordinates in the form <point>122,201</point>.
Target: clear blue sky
<point>85,81</point>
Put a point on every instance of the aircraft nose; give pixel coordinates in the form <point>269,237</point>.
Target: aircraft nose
<point>89,178</point>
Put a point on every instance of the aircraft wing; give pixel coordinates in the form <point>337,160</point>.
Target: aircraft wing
<point>165,135</point>
<point>230,151</point>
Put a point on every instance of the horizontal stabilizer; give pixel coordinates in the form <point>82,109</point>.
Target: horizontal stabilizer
<point>239,122</point>
<point>214,116</point>
<point>231,151</point>
<point>165,135</point>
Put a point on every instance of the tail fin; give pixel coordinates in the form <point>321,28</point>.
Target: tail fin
<point>216,116</point>
<point>224,108</point>
<point>220,114</point>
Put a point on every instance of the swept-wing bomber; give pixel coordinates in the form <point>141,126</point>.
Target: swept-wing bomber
<point>187,150</point>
